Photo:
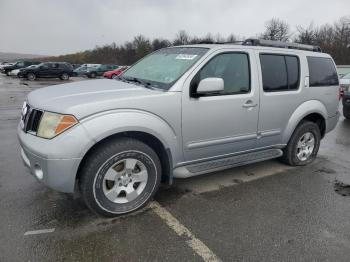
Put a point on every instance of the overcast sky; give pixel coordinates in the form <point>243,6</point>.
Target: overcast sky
<point>52,27</point>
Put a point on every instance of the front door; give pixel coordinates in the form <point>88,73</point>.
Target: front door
<point>215,125</point>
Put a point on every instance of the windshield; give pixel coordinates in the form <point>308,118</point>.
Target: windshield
<point>346,76</point>
<point>162,68</point>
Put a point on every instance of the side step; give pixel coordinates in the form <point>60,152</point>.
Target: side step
<point>225,163</point>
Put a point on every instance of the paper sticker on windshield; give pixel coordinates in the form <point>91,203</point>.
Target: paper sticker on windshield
<point>185,56</point>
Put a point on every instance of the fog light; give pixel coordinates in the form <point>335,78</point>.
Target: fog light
<point>38,172</point>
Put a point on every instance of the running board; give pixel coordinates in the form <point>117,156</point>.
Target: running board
<point>225,163</point>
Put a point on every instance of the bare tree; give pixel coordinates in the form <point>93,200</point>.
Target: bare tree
<point>231,38</point>
<point>276,29</point>
<point>306,35</point>
<point>181,38</point>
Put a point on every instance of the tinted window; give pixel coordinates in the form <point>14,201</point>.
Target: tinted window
<point>64,66</point>
<point>274,72</point>
<point>322,71</point>
<point>293,72</point>
<point>45,66</point>
<point>279,72</point>
<point>233,68</point>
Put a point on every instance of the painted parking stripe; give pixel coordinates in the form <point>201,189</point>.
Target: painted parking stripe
<point>40,231</point>
<point>197,245</point>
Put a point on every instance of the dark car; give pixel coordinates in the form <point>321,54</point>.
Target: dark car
<point>93,72</point>
<point>60,70</point>
<point>18,65</point>
<point>346,104</point>
<point>345,93</point>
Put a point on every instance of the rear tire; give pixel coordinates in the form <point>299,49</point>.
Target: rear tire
<point>64,77</point>
<point>7,73</point>
<point>119,177</point>
<point>303,146</point>
<point>31,76</point>
<point>93,75</point>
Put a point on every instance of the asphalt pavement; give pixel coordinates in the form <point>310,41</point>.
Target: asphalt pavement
<point>261,212</point>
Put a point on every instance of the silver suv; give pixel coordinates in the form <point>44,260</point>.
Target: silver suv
<point>179,112</point>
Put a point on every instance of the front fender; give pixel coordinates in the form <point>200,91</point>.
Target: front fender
<point>306,108</point>
<point>105,124</point>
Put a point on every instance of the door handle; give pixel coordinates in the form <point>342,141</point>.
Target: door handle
<point>249,104</point>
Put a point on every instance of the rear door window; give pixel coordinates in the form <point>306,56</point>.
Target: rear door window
<point>279,72</point>
<point>322,71</point>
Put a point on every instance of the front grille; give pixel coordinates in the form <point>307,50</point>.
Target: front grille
<point>32,120</point>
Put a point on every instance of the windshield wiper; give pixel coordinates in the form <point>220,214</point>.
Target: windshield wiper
<point>141,82</point>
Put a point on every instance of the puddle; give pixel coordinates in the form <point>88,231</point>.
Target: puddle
<point>325,170</point>
<point>341,188</point>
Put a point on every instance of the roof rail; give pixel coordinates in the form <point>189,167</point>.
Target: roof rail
<point>280,44</point>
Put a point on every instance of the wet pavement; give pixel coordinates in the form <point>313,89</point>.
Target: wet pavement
<point>261,212</point>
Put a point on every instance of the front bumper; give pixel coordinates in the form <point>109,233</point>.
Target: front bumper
<point>58,174</point>
<point>55,162</point>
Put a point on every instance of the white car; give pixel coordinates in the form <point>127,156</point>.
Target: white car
<point>345,82</point>
<point>5,64</point>
<point>14,72</point>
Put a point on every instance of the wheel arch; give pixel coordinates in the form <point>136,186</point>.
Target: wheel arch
<point>313,111</point>
<point>152,141</point>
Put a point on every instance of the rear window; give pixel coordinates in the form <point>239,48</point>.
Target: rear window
<point>322,71</point>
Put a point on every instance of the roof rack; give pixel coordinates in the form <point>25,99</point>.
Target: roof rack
<point>280,44</point>
<point>219,43</point>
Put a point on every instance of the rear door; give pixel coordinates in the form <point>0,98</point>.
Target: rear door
<point>281,93</point>
<point>55,70</point>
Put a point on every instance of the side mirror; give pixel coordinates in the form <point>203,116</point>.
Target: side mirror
<point>210,85</point>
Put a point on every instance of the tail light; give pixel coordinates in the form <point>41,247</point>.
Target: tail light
<point>342,89</point>
<point>340,92</point>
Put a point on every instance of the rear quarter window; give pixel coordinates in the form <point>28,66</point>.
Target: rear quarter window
<point>322,71</point>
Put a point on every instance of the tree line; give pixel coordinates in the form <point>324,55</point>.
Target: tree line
<point>332,38</point>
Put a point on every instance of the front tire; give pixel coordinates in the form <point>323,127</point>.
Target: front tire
<point>303,146</point>
<point>114,76</point>
<point>119,177</point>
<point>31,76</point>
<point>93,75</point>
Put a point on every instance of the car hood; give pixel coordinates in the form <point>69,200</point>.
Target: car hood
<point>90,96</point>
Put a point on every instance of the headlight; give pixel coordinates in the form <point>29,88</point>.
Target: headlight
<point>53,124</point>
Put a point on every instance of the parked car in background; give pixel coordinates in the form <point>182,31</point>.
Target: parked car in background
<point>343,70</point>
<point>60,70</point>
<point>93,72</point>
<point>75,66</point>
<point>116,72</point>
<point>3,64</point>
<point>345,90</point>
<point>179,112</point>
<point>16,71</point>
<point>80,71</point>
<point>18,65</point>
